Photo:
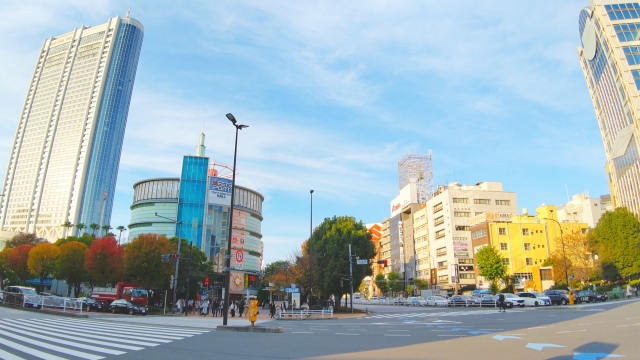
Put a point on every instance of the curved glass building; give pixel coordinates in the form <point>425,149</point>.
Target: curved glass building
<point>610,58</point>
<point>64,160</point>
<point>150,197</point>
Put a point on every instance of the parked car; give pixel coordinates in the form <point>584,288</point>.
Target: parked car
<point>535,298</point>
<point>461,300</point>
<point>398,301</point>
<point>487,301</point>
<point>17,295</point>
<point>560,297</point>
<point>89,304</point>
<point>590,296</point>
<point>436,301</point>
<point>416,301</point>
<point>123,306</point>
<point>513,300</point>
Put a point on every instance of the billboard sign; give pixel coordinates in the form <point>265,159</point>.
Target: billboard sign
<point>460,245</point>
<point>237,282</point>
<point>506,217</point>
<point>461,254</point>
<point>408,195</point>
<point>220,191</point>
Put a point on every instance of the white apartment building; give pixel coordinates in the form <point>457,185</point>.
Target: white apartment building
<point>64,160</point>
<point>449,214</point>
<point>581,209</point>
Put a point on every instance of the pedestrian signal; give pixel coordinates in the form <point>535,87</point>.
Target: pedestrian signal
<point>206,281</point>
<point>169,258</point>
<point>382,262</point>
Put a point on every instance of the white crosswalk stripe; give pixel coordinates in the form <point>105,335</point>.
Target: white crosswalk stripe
<point>435,314</point>
<point>56,339</point>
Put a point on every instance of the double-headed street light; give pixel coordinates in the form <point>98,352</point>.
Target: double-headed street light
<point>175,278</point>
<point>564,256</point>
<point>225,306</point>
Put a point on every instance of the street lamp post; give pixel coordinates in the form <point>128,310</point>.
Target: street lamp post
<point>225,306</point>
<point>564,256</point>
<point>175,278</point>
<point>311,216</point>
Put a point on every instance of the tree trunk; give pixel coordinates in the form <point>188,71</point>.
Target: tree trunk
<point>41,280</point>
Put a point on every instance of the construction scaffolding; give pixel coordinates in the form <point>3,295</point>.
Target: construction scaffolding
<point>417,168</point>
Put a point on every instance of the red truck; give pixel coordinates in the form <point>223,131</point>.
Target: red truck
<point>123,290</point>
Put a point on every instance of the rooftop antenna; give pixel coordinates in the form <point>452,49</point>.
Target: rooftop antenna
<point>128,12</point>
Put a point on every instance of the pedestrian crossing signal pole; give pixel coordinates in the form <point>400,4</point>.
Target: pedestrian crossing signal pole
<point>351,276</point>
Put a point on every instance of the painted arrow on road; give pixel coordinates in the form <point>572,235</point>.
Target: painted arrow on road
<point>502,337</point>
<point>594,356</point>
<point>539,347</point>
<point>480,332</point>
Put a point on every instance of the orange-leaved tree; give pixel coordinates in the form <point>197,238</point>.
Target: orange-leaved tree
<point>42,260</point>
<point>103,261</point>
<point>17,262</point>
<point>70,265</point>
<point>143,260</point>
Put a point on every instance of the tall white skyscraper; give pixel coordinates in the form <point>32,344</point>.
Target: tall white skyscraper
<point>610,57</point>
<point>65,156</point>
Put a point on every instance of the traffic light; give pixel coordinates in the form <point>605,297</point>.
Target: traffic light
<point>206,281</point>
<point>382,262</point>
<point>169,258</point>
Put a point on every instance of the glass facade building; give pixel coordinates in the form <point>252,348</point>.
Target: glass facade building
<point>64,160</point>
<point>192,198</point>
<point>151,197</point>
<point>610,60</point>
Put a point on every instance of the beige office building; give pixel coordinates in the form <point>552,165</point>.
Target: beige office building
<point>610,58</point>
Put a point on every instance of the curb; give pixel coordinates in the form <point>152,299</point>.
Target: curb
<point>48,312</point>
<point>256,329</point>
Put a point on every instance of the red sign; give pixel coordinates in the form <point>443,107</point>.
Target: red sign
<point>239,256</point>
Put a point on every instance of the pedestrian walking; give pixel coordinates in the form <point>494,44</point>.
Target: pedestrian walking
<point>501,307</point>
<point>179,306</point>
<point>629,291</point>
<point>272,310</point>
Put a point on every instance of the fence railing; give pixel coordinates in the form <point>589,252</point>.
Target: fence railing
<point>42,301</point>
<point>304,314</point>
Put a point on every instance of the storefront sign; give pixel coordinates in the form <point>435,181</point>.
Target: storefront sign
<point>460,254</point>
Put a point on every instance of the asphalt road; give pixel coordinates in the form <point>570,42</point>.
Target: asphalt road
<point>595,331</point>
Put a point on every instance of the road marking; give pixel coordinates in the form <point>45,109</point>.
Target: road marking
<point>539,347</point>
<point>502,337</point>
<point>346,334</point>
<point>594,356</point>
<point>30,351</point>
<point>628,325</point>
<point>570,331</point>
<point>41,344</point>
<point>395,335</point>
<point>8,356</point>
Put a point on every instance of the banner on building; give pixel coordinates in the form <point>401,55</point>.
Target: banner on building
<point>461,254</point>
<point>220,191</point>
<point>460,245</point>
<point>237,282</point>
<point>506,217</point>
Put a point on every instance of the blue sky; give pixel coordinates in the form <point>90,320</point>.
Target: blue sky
<point>335,94</point>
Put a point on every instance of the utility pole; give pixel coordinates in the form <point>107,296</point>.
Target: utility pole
<point>351,276</point>
<point>189,271</point>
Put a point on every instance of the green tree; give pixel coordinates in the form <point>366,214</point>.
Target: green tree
<point>382,284</point>
<point>93,228</point>
<point>70,265</point>
<point>200,266</point>
<point>80,227</point>
<point>23,239</point>
<point>143,261</point>
<point>42,261</point>
<point>616,239</point>
<point>409,290</point>
<point>4,266</point>
<point>421,284</point>
<point>395,282</point>
<point>120,229</point>
<point>106,229</point>
<point>490,264</point>
<point>86,239</point>
<point>66,225</point>
<point>330,244</point>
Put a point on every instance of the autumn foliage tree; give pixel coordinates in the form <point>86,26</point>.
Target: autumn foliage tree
<point>42,260</point>
<point>23,239</point>
<point>143,260</point>
<point>103,261</point>
<point>70,265</point>
<point>17,262</point>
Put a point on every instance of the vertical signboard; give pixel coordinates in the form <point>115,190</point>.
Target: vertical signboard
<point>238,239</point>
<point>460,247</point>
<point>220,191</point>
<point>237,282</point>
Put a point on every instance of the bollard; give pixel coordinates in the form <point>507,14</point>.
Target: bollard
<point>253,311</point>
<point>571,300</point>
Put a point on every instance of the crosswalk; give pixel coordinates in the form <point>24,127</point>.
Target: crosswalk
<point>55,339</point>
<point>435,314</point>
<point>180,321</point>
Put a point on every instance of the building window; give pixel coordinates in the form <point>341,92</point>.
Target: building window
<point>460,200</point>
<point>623,11</point>
<point>437,208</point>
<point>443,278</point>
<point>438,221</point>
<point>441,251</point>
<point>461,214</point>
<point>479,213</point>
<point>503,246</point>
<point>442,264</point>
<point>482,201</point>
<point>505,261</point>
<point>463,228</point>
<point>467,276</point>
<point>479,233</point>
<point>525,276</point>
<point>503,202</point>
<point>545,274</point>
<point>502,231</point>
<point>527,246</point>
<point>465,261</point>
<point>529,261</point>
<point>440,234</point>
<point>525,231</point>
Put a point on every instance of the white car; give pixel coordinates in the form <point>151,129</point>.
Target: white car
<point>535,298</point>
<point>513,300</point>
<point>437,301</point>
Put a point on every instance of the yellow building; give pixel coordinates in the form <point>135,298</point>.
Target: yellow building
<point>524,242</point>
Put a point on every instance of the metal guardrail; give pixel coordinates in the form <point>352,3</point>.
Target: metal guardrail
<point>304,314</point>
<point>42,301</point>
